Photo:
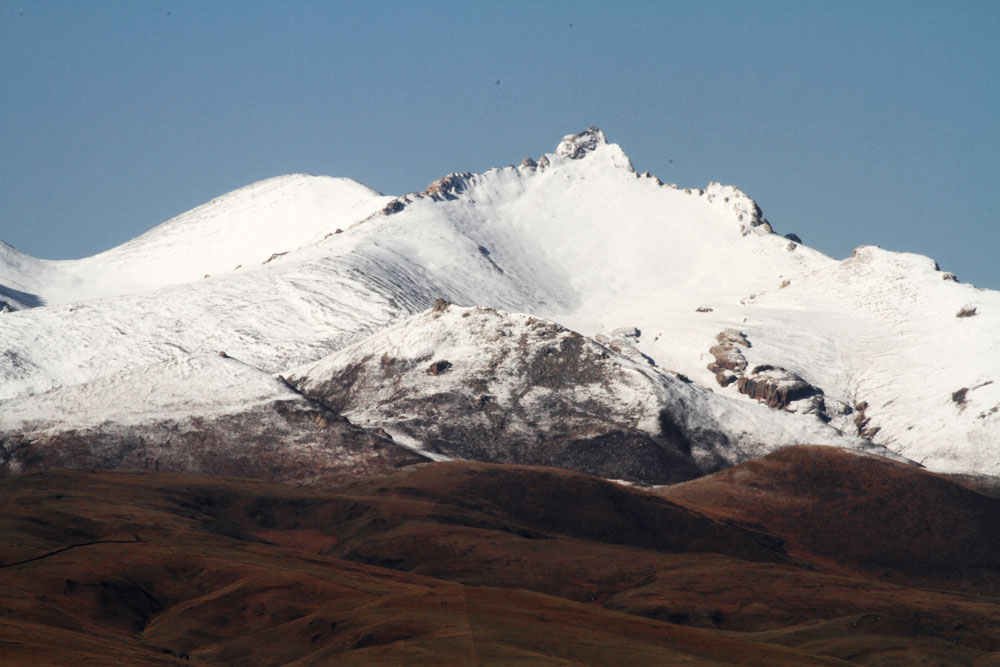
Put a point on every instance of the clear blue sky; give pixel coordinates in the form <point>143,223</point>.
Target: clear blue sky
<point>850,123</point>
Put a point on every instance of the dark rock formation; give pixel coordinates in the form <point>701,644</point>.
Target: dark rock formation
<point>863,422</point>
<point>575,146</point>
<point>775,387</point>
<point>395,206</point>
<point>448,187</point>
<point>438,367</point>
<point>959,396</point>
<point>967,311</point>
<point>729,361</point>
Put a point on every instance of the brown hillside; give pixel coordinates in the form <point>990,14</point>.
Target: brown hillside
<point>491,565</point>
<point>165,572</point>
<point>861,513</point>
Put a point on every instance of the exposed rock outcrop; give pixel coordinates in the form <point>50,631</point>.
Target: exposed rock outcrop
<point>863,422</point>
<point>958,396</point>
<point>438,367</point>
<point>729,361</point>
<point>395,206</point>
<point>448,187</point>
<point>967,311</point>
<point>774,386</point>
<point>575,146</point>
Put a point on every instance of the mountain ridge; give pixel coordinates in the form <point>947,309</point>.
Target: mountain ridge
<point>240,228</point>
<point>581,239</point>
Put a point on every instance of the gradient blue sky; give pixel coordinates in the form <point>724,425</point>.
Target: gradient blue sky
<point>850,123</point>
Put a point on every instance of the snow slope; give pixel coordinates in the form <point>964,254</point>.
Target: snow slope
<point>237,230</point>
<point>164,390</point>
<point>202,413</point>
<point>577,237</point>
<point>892,337</point>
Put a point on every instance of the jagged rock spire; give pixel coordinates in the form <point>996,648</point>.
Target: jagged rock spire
<point>575,146</point>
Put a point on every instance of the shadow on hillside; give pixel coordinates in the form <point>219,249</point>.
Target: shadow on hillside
<point>24,298</point>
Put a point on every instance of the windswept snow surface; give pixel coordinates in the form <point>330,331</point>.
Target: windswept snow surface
<point>577,237</point>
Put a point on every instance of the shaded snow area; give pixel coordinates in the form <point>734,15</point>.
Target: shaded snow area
<point>668,327</point>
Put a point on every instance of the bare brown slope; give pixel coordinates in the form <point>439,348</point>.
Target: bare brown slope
<point>585,539</point>
<point>164,571</point>
<point>861,513</point>
<point>540,503</point>
<point>236,571</point>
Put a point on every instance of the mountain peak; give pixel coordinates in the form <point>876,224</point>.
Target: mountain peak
<point>575,146</point>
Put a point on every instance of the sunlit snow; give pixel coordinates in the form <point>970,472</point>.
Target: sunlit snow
<point>579,238</point>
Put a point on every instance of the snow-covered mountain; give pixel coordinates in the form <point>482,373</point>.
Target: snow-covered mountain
<point>244,227</point>
<point>749,339</point>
